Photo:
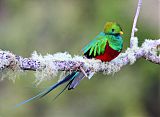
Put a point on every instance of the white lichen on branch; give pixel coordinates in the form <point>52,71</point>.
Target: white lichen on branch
<point>48,66</point>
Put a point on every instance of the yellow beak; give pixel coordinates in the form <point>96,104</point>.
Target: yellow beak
<point>121,32</point>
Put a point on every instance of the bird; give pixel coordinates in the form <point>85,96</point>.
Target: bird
<point>106,46</point>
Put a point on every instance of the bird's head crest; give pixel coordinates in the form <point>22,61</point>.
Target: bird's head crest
<point>112,28</point>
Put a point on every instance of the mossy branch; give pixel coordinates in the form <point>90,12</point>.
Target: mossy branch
<point>49,65</point>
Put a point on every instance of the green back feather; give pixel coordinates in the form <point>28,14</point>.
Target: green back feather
<point>98,44</point>
<point>111,35</point>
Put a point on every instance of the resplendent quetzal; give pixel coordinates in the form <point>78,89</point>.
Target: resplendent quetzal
<point>105,46</point>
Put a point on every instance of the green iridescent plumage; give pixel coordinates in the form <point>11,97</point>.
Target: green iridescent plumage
<point>111,35</point>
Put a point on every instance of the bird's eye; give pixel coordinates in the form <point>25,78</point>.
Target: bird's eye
<point>112,30</point>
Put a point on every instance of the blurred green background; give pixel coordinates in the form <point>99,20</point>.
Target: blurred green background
<point>50,26</point>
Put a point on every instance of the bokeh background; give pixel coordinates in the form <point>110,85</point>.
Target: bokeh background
<point>50,26</point>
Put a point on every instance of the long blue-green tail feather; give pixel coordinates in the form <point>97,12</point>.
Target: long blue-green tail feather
<point>72,83</point>
<point>67,78</point>
<point>76,81</point>
<point>45,92</point>
<point>62,90</point>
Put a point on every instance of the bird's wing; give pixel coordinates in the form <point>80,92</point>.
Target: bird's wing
<point>96,46</point>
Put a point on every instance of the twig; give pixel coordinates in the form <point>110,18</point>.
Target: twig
<point>134,29</point>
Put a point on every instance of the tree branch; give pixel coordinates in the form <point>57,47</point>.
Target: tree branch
<point>48,66</point>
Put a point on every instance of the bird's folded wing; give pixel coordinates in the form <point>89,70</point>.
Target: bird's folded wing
<point>96,46</point>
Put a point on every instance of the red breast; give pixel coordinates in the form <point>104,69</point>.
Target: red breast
<point>108,55</point>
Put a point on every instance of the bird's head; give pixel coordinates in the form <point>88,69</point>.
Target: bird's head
<point>112,28</point>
